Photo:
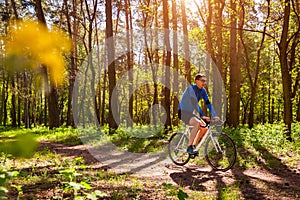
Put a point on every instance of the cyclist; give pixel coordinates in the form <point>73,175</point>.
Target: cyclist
<point>188,104</point>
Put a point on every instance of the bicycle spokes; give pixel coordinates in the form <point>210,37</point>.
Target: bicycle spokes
<point>220,152</point>
<point>177,149</point>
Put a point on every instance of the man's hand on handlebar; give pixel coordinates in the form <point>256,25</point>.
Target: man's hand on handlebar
<point>207,119</point>
<point>216,119</point>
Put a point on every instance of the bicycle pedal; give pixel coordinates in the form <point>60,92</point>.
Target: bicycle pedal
<point>193,156</point>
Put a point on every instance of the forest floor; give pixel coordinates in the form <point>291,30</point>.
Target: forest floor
<point>157,178</point>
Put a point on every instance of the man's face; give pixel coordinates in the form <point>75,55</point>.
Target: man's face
<point>201,82</point>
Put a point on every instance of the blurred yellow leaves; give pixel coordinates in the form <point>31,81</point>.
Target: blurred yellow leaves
<point>30,44</point>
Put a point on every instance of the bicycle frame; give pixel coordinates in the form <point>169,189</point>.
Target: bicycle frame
<point>203,139</point>
<point>219,148</point>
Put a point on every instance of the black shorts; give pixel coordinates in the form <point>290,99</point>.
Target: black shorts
<point>185,116</point>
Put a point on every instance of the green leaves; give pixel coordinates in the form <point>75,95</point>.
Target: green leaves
<point>265,143</point>
<point>21,146</point>
<point>168,186</point>
<point>5,175</point>
<point>69,178</point>
<point>181,195</point>
<point>96,194</point>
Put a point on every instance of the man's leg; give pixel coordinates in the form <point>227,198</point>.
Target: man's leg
<point>197,128</point>
<point>193,122</point>
<point>200,133</point>
<point>196,125</point>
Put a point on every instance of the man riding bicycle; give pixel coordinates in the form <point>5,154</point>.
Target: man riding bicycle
<point>188,104</point>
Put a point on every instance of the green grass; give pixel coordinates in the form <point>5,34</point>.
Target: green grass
<point>63,135</point>
<point>263,146</point>
<point>230,192</point>
<point>266,144</point>
<point>46,169</point>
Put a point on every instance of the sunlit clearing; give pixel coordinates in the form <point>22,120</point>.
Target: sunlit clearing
<point>30,44</point>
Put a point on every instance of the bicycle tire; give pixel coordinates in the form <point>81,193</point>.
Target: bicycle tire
<point>224,160</point>
<point>177,152</point>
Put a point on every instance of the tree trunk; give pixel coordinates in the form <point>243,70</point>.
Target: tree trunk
<point>186,48</point>
<point>239,58</point>
<point>154,65</point>
<point>100,69</point>
<point>254,82</point>
<point>34,108</point>
<point>270,95</point>
<point>175,63</point>
<point>2,100</point>
<point>5,100</point>
<point>102,121</point>
<point>219,6</point>
<point>167,102</point>
<point>298,111</point>
<point>272,110</point>
<point>286,76</point>
<point>19,100</point>
<point>13,102</point>
<point>16,116</point>
<point>217,95</point>
<point>111,61</point>
<point>73,64</point>
<point>91,17</point>
<point>26,101</point>
<point>263,110</point>
<point>209,45</point>
<point>53,106</point>
<point>129,55</point>
<point>234,95</point>
<point>45,113</point>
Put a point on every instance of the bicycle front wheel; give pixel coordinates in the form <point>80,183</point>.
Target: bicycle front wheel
<point>177,146</point>
<point>220,151</point>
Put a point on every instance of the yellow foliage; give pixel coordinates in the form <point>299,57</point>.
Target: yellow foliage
<point>33,41</point>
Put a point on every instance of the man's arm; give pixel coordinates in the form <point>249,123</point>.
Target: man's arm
<point>194,101</point>
<point>208,104</point>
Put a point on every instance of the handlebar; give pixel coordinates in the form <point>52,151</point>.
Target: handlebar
<point>211,122</point>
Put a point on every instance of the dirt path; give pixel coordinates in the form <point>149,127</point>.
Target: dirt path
<point>264,183</point>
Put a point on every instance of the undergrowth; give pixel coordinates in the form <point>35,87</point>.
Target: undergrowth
<point>262,146</point>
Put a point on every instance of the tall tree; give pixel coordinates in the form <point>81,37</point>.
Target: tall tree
<point>13,102</point>
<point>129,41</point>
<point>286,76</point>
<point>4,98</point>
<point>235,71</point>
<point>254,80</point>
<point>218,17</point>
<point>218,31</point>
<point>54,119</point>
<point>167,101</point>
<point>186,48</point>
<point>26,100</point>
<point>73,32</point>
<point>17,115</point>
<point>298,111</point>
<point>175,61</point>
<point>13,77</point>
<point>110,46</point>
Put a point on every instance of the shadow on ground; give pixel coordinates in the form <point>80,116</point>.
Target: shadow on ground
<point>271,180</point>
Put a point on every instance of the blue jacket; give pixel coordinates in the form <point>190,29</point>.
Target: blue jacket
<point>190,99</point>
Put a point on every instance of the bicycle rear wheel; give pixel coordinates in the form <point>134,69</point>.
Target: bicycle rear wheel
<point>177,146</point>
<point>220,151</point>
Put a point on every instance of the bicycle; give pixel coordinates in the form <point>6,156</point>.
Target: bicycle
<point>220,150</point>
